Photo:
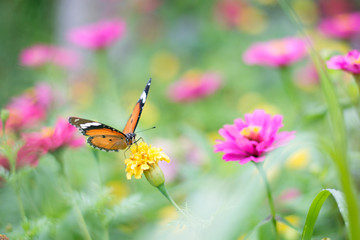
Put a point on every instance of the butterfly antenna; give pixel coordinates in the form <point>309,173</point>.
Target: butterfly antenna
<point>146,129</point>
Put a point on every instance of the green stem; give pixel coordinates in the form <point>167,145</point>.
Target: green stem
<point>164,191</point>
<point>19,201</point>
<point>97,159</point>
<point>4,117</point>
<point>16,186</point>
<point>3,130</point>
<point>106,80</point>
<point>259,166</point>
<point>357,80</point>
<point>339,154</point>
<point>59,158</point>
<point>289,87</point>
<point>357,102</point>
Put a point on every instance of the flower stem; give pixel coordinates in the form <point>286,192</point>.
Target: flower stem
<point>289,87</point>
<point>164,191</point>
<point>16,186</point>
<point>4,117</point>
<point>59,158</point>
<point>339,131</point>
<point>97,159</point>
<point>357,80</point>
<point>260,168</point>
<point>357,103</point>
<point>19,201</point>
<point>108,84</point>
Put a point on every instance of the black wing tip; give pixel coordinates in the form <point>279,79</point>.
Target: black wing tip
<point>70,120</point>
<point>148,83</point>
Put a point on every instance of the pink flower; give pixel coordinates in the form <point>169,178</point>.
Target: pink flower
<point>28,155</point>
<point>289,194</point>
<point>51,139</point>
<point>194,85</point>
<point>228,12</point>
<point>350,62</point>
<point>342,25</point>
<point>251,139</point>
<point>276,53</point>
<point>42,54</point>
<point>30,108</point>
<point>98,35</point>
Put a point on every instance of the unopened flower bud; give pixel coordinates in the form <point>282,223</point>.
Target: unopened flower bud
<point>155,175</point>
<point>4,115</point>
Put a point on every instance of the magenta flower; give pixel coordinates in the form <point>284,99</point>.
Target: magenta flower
<point>251,139</point>
<point>98,35</point>
<point>194,85</point>
<point>30,108</point>
<point>51,139</point>
<point>28,155</point>
<point>276,53</point>
<point>349,63</point>
<point>341,26</point>
<point>42,54</point>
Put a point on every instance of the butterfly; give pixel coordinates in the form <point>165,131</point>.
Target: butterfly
<point>106,138</point>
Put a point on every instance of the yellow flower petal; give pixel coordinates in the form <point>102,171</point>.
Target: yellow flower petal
<point>142,158</point>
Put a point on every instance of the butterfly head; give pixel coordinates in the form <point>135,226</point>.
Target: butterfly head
<point>130,138</point>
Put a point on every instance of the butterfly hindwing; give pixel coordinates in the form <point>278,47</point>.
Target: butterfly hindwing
<point>108,142</point>
<point>136,113</point>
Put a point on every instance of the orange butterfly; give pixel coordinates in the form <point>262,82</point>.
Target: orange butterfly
<point>107,138</point>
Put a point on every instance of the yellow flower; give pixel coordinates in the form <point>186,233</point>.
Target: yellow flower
<point>307,10</point>
<point>118,191</point>
<point>299,159</point>
<point>164,66</point>
<point>144,159</point>
<point>252,20</point>
<point>3,237</point>
<point>286,231</point>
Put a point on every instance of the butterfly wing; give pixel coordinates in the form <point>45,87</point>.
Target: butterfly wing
<point>135,115</point>
<point>102,137</point>
<point>108,142</point>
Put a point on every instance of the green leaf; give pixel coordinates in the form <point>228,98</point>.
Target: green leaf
<point>315,209</point>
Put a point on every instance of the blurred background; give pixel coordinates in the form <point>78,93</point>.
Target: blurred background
<point>171,42</point>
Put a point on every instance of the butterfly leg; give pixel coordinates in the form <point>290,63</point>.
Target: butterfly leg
<point>128,148</point>
<point>140,138</point>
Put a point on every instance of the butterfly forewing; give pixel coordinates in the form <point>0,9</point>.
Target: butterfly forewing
<point>136,113</point>
<point>93,128</point>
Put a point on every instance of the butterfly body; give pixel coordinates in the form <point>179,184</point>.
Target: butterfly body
<point>106,138</point>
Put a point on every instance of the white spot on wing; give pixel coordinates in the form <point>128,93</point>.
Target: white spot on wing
<point>86,125</point>
<point>76,119</point>
<point>143,97</point>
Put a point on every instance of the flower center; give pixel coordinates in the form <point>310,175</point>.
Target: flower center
<point>251,133</point>
<point>47,132</point>
<point>277,48</point>
<point>344,22</point>
<point>354,60</point>
<point>192,78</point>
